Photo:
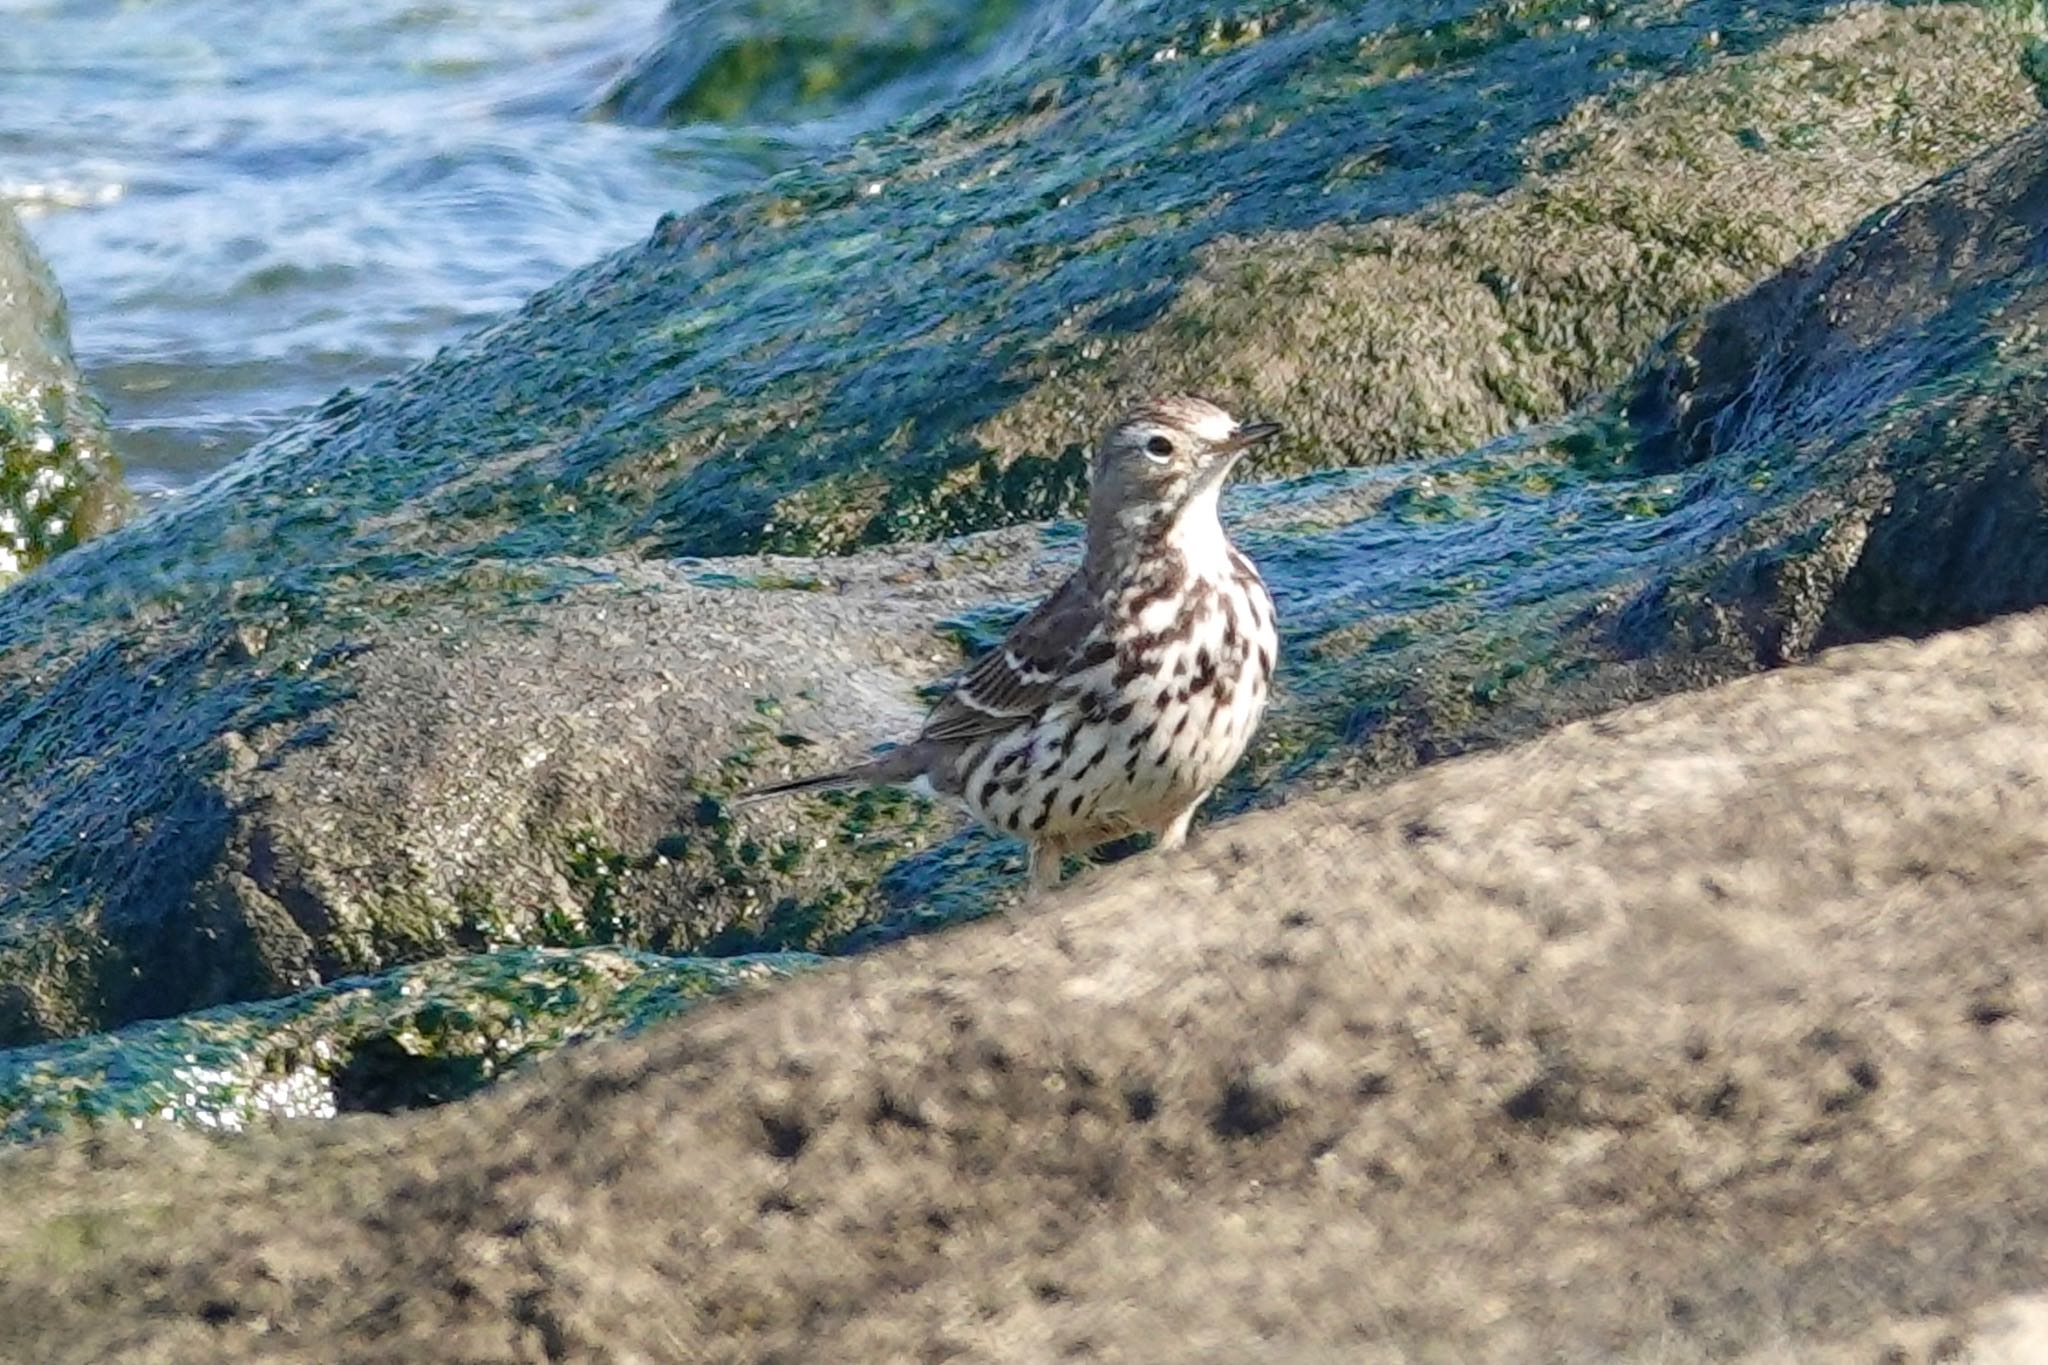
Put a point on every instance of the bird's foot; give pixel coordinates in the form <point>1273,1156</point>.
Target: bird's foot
<point>1045,863</point>
<point>1175,833</point>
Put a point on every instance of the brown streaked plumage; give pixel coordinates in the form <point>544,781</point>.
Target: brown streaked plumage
<point>1120,702</point>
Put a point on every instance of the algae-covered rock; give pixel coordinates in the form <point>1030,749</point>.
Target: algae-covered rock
<point>777,61</point>
<point>1916,346</point>
<point>418,678</point>
<point>59,481</point>
<point>417,1035</point>
<point>433,757</point>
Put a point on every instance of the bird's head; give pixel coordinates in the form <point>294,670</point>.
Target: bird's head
<point>1164,458</point>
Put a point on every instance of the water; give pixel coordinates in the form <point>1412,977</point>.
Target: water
<point>252,204</point>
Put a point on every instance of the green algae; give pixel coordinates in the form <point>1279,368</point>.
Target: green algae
<point>799,877</point>
<point>807,875</point>
<point>910,338</point>
<point>981,629</point>
<point>414,1036</point>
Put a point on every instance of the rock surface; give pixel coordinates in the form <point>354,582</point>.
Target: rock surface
<point>1709,1030</point>
<point>59,481</point>
<point>339,740</point>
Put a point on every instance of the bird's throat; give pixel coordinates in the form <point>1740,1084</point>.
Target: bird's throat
<point>1140,534</point>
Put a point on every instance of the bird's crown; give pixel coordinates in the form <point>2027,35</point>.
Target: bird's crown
<point>1176,424</point>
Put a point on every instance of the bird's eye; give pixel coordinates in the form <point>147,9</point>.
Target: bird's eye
<point>1159,449</point>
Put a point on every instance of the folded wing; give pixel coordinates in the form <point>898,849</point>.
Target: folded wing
<point>1012,684</point>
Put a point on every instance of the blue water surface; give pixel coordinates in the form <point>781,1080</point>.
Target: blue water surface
<point>252,204</point>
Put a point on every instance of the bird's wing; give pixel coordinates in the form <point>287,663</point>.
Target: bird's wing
<point>1012,683</point>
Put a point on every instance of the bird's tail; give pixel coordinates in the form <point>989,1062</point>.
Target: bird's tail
<point>824,782</point>
<point>898,765</point>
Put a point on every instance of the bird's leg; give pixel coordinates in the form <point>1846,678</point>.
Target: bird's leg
<point>1045,857</point>
<point>1175,832</point>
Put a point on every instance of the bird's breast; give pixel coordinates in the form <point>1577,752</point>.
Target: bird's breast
<point>1198,675</point>
<point>1164,707</point>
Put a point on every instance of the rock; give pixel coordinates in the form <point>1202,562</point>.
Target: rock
<point>422,663</point>
<point>1711,1029</point>
<point>1867,339</point>
<point>785,61</point>
<point>59,481</point>
<point>541,745</point>
<point>411,1037</point>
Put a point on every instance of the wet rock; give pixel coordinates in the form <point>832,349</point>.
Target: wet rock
<point>411,1037</point>
<point>1656,991</point>
<point>785,61</point>
<point>423,663</point>
<point>59,481</point>
<point>1912,346</point>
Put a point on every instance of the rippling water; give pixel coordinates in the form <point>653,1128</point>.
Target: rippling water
<point>251,204</point>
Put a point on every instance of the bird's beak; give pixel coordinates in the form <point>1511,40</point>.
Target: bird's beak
<point>1251,434</point>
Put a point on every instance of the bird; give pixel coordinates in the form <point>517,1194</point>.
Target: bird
<point>1117,705</point>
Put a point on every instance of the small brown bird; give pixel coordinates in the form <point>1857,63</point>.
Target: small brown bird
<point>1119,703</point>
